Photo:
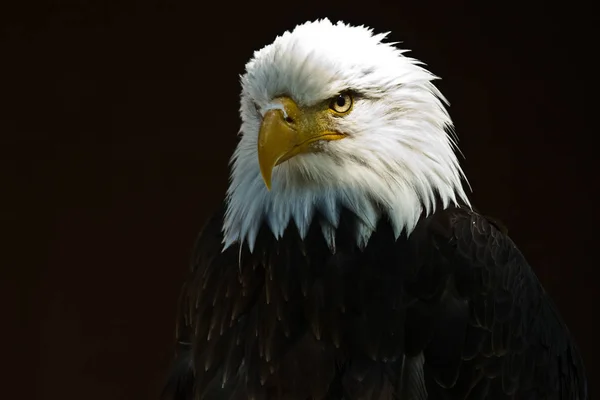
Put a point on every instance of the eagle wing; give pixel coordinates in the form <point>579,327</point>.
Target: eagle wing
<point>494,332</point>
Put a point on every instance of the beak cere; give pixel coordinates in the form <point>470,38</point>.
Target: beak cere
<point>286,133</point>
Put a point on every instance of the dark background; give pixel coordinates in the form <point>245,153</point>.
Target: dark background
<point>118,120</point>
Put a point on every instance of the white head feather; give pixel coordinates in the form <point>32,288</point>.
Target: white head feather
<point>398,155</point>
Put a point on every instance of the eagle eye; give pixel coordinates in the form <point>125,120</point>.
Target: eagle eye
<point>342,103</point>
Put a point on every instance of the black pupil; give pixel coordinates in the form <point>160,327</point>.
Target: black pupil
<point>341,101</point>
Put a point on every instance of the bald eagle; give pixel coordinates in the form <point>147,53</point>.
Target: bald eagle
<point>347,261</point>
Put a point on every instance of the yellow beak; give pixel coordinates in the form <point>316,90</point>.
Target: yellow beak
<point>289,132</point>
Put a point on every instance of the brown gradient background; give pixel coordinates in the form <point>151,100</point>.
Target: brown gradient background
<point>118,119</point>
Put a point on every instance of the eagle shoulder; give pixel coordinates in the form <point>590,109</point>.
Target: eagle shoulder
<point>496,331</point>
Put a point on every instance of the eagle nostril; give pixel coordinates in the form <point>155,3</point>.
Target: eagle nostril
<point>289,119</point>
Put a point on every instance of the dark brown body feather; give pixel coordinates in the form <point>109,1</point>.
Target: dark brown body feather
<point>452,312</point>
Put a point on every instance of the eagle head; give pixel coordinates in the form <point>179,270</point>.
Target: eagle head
<point>332,118</point>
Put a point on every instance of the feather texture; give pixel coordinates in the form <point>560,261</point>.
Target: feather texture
<point>452,312</point>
